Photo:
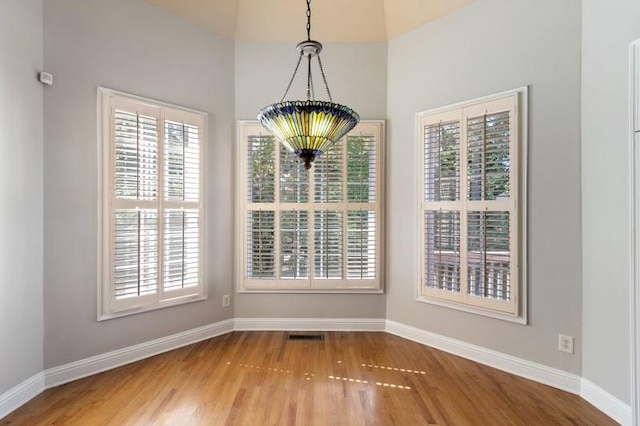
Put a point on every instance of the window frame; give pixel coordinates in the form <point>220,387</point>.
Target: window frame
<point>108,306</point>
<point>246,128</point>
<point>517,207</point>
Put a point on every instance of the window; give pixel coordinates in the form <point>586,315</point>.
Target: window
<point>151,215</point>
<point>310,231</point>
<point>472,222</point>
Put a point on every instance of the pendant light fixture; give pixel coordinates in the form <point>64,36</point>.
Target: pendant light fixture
<point>308,128</point>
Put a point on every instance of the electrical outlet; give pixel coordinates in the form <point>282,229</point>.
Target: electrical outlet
<point>226,300</point>
<point>565,343</point>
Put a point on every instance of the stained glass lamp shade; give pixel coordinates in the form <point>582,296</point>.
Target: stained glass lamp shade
<point>308,128</point>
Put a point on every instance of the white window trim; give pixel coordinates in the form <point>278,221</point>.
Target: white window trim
<point>104,302</point>
<point>521,260</point>
<point>241,228</point>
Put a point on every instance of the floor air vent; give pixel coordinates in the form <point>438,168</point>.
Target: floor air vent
<point>305,337</point>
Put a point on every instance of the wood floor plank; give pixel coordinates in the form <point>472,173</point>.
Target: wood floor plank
<point>261,378</point>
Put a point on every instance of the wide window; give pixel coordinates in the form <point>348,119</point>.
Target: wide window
<point>472,172</point>
<point>151,182</point>
<point>316,230</point>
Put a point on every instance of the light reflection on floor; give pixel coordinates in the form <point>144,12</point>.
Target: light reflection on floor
<point>261,368</point>
<point>403,370</point>
<point>347,379</point>
<point>309,376</point>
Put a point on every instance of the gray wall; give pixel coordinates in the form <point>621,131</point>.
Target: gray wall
<point>487,47</point>
<point>608,28</point>
<point>357,76</point>
<point>130,46</point>
<point>21,323</point>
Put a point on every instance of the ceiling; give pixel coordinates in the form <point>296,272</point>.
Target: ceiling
<point>331,21</point>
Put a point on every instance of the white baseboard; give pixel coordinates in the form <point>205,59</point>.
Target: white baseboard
<point>520,367</point>
<point>309,324</point>
<point>605,402</point>
<point>21,394</point>
<point>602,400</point>
<point>96,364</point>
<point>599,398</point>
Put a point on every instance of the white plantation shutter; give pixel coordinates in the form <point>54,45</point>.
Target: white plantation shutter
<point>293,177</point>
<point>328,175</point>
<point>260,167</point>
<point>182,220</point>
<point>181,162</point>
<point>362,170</point>
<point>362,173</point>
<point>181,263</point>
<point>441,196</point>
<point>442,161</point>
<point>488,256</point>
<point>328,244</point>
<point>316,230</point>
<point>470,222</point>
<point>488,156</point>
<point>488,180</point>
<point>135,156</point>
<point>260,190</point>
<point>135,249</point>
<point>294,244</point>
<point>135,256</point>
<point>361,244</point>
<point>442,250</point>
<point>260,242</point>
<point>152,198</point>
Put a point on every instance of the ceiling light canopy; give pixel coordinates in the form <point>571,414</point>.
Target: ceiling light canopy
<point>308,128</point>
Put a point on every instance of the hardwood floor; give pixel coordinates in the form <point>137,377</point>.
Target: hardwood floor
<point>261,378</point>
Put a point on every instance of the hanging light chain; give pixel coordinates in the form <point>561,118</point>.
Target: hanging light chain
<point>310,94</point>
<point>295,71</point>
<point>308,19</point>
<point>310,89</point>
<point>324,78</point>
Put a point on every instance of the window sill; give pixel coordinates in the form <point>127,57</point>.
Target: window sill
<point>522,319</point>
<point>311,291</point>
<point>102,316</point>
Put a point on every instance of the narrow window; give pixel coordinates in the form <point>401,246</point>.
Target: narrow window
<point>471,186</point>
<point>151,182</point>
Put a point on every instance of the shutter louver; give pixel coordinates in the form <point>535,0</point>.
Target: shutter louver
<point>261,254</point>
<point>294,246</point>
<point>327,244</point>
<point>181,162</point>
<point>361,169</point>
<point>261,168</point>
<point>328,171</point>
<point>361,244</point>
<point>442,250</point>
<point>181,249</point>
<point>442,162</point>
<point>135,156</point>
<point>488,156</point>
<point>294,178</point>
<point>488,259</point>
<point>135,257</point>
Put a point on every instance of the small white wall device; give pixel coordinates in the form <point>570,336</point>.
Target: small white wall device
<point>46,78</point>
